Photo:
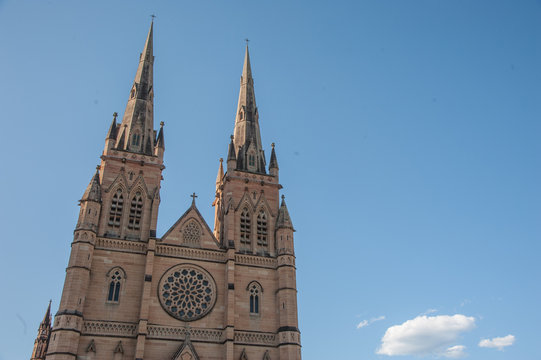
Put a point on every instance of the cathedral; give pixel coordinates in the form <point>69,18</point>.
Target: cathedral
<point>196,292</point>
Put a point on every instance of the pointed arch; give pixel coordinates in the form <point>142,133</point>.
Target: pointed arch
<point>119,348</point>
<point>245,226</point>
<point>91,347</point>
<point>243,355</point>
<point>262,228</point>
<point>136,211</point>
<point>115,281</point>
<point>255,294</point>
<point>116,209</point>
<point>266,355</point>
<point>139,185</point>
<point>263,203</point>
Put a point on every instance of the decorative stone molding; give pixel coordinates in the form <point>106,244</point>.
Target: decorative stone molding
<point>122,245</point>
<point>179,333</point>
<point>190,253</point>
<point>255,338</point>
<point>290,337</point>
<point>286,260</point>
<point>110,328</point>
<point>267,262</point>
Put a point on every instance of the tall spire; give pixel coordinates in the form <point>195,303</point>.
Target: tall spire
<point>247,137</point>
<point>138,121</point>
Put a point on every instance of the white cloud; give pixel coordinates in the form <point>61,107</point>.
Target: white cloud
<point>368,322</point>
<point>426,335</point>
<point>497,342</point>
<point>455,352</point>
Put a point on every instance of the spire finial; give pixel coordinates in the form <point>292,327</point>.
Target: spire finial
<point>283,196</point>
<point>153,17</point>
<point>247,41</point>
<point>272,145</point>
<point>115,114</point>
<point>162,123</point>
<point>221,160</point>
<point>232,137</point>
<point>98,167</point>
<point>193,196</point>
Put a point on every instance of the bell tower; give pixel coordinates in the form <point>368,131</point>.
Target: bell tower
<point>250,221</point>
<point>119,206</point>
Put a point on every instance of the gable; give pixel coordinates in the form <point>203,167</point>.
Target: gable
<point>186,351</point>
<point>191,230</point>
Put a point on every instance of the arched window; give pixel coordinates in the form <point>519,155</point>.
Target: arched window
<point>115,214</point>
<point>245,227</point>
<point>115,278</point>
<point>136,209</point>
<point>255,292</point>
<point>251,160</point>
<point>262,229</point>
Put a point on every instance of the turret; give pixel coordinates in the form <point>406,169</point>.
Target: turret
<point>110,140</point>
<point>90,205</point>
<point>287,285</point>
<point>284,231</point>
<point>231,156</point>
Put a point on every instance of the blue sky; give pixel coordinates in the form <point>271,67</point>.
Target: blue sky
<point>407,133</point>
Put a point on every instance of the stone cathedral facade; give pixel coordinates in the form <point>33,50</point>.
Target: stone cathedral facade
<point>195,292</point>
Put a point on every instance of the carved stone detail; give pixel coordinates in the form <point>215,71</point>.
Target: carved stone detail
<point>179,333</point>
<point>248,337</point>
<point>123,245</point>
<point>110,328</point>
<point>189,253</point>
<point>270,263</point>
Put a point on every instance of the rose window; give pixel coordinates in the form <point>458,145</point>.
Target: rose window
<point>187,292</point>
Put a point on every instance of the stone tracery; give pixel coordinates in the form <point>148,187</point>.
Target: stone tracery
<point>187,292</point>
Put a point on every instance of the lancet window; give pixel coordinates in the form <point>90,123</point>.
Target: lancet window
<point>136,209</point>
<point>255,292</point>
<point>115,279</point>
<point>262,230</point>
<point>245,226</point>
<point>115,213</point>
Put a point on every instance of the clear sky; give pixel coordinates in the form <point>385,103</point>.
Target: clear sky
<point>407,133</point>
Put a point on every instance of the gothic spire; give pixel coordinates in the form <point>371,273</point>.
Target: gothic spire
<point>44,334</point>
<point>284,221</point>
<point>111,134</point>
<point>160,142</point>
<point>137,130</point>
<point>47,317</point>
<point>273,161</point>
<point>231,154</point>
<point>93,190</point>
<point>247,137</point>
<point>220,175</point>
